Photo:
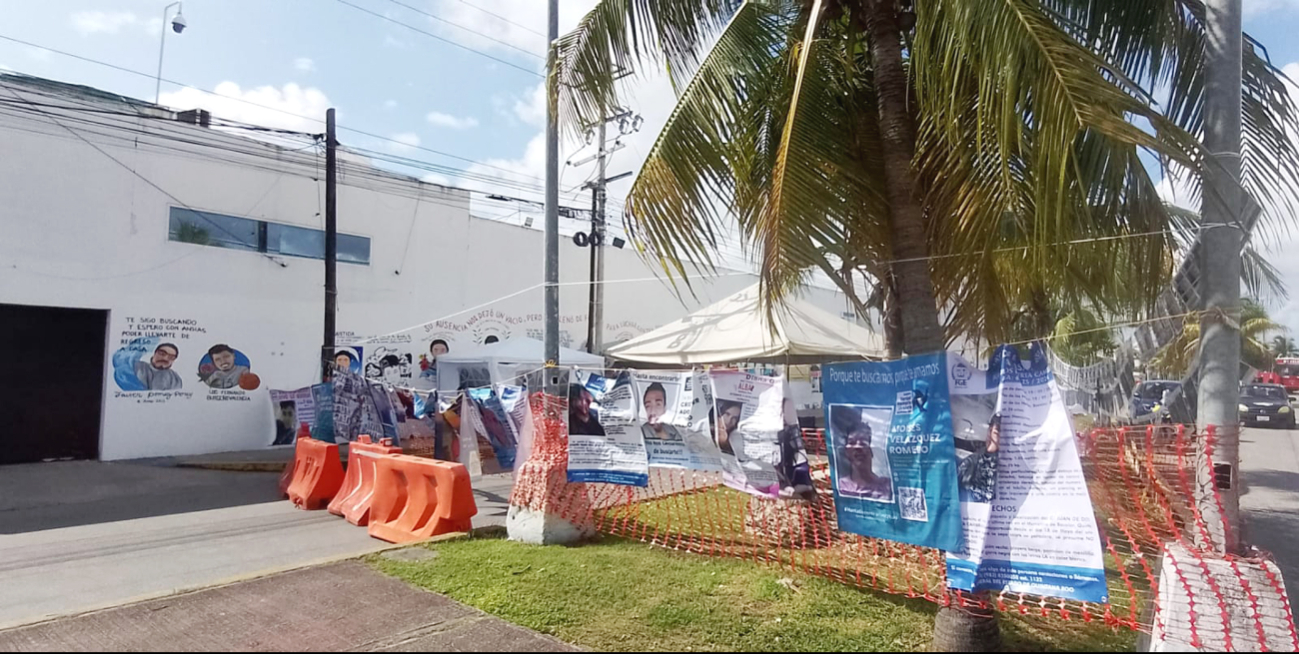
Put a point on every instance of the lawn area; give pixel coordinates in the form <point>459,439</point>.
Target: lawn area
<point>619,595</point>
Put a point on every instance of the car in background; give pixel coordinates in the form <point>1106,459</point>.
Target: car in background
<point>1266,405</point>
<point>1152,395</point>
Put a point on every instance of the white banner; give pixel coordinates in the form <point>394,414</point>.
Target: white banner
<point>605,442</point>
<point>670,425</point>
<point>750,417</point>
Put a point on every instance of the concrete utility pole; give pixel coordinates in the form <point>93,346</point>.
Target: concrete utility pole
<point>331,244</point>
<point>552,199</point>
<point>599,195</point>
<point>1222,216</point>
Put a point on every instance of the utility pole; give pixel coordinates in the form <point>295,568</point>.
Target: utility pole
<point>552,202</point>
<point>628,123</point>
<point>331,244</point>
<point>1222,216</point>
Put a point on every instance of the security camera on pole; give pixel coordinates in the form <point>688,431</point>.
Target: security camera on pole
<point>178,24</point>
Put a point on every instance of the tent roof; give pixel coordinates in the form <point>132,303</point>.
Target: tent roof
<point>737,329</point>
<point>520,350</point>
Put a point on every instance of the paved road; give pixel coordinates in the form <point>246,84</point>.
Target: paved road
<point>87,535</point>
<point>1269,465</point>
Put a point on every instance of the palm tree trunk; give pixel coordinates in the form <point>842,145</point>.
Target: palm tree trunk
<point>921,330</point>
<point>954,629</point>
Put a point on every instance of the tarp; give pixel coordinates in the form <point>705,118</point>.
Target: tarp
<point>737,329</point>
<point>503,363</point>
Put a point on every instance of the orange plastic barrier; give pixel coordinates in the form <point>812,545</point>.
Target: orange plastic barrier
<point>317,474</point>
<point>353,499</point>
<point>304,433</point>
<point>416,499</point>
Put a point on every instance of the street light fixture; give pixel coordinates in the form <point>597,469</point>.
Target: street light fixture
<point>178,23</point>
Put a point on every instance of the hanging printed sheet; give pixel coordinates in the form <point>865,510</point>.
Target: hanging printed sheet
<point>1028,520</point>
<point>605,443</point>
<point>291,409</point>
<point>674,436</point>
<point>892,458</point>
<point>749,418</point>
<point>500,411</point>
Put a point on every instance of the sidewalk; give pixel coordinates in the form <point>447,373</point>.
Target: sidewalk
<point>337,607</point>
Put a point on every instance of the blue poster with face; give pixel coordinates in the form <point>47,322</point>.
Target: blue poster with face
<point>892,456</point>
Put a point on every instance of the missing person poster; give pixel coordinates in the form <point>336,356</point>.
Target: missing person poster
<point>605,442</point>
<point>748,421</point>
<point>1028,520</point>
<point>500,410</point>
<point>892,457</point>
<point>668,422</point>
<point>292,408</point>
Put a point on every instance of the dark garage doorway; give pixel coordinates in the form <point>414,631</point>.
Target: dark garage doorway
<point>51,392</point>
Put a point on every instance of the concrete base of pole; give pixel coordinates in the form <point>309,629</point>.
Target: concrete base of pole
<point>534,527</point>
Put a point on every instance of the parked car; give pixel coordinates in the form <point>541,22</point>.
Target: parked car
<point>1153,396</point>
<point>1266,405</point>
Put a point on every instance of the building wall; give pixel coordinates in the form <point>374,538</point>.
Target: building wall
<point>84,210</point>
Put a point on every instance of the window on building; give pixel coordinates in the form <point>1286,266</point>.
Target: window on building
<point>218,230</point>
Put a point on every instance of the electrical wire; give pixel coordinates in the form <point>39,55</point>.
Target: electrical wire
<point>498,16</point>
<point>442,39</point>
<point>467,29</point>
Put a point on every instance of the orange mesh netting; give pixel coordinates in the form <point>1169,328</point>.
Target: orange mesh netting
<point>1142,482</point>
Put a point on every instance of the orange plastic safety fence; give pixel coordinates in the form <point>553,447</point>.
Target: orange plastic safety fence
<point>1142,480</point>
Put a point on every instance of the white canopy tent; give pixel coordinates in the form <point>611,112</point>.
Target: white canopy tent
<point>503,362</point>
<point>737,329</point>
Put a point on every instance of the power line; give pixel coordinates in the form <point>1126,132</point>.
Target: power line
<point>253,104</point>
<point>500,17</point>
<point>442,39</point>
<point>471,31</point>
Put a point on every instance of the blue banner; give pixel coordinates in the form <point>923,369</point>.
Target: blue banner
<point>892,457</point>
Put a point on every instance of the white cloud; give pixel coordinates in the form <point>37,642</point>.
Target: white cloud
<point>519,12</point>
<point>304,64</point>
<point>105,22</point>
<point>435,178</point>
<point>268,106</point>
<point>532,110</point>
<point>405,141</point>
<point>390,104</point>
<point>448,121</point>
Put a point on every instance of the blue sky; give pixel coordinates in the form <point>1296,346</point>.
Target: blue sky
<point>304,56</point>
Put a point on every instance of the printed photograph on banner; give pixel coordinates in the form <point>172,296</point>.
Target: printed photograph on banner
<point>291,409</point>
<point>891,450</point>
<point>977,435</point>
<point>667,407</point>
<point>606,443</point>
<point>860,439</point>
<point>726,424</point>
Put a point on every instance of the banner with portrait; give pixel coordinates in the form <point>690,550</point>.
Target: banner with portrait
<point>291,409</point>
<point>892,456</point>
<point>748,421</point>
<point>500,413</point>
<point>1028,519</point>
<point>605,441</point>
<point>668,423</point>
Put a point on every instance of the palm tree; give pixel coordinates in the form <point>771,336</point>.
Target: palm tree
<point>1283,346</point>
<point>1177,358</point>
<point>969,158</point>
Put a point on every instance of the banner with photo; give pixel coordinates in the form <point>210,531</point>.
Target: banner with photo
<point>291,409</point>
<point>605,440</point>
<point>500,415</point>
<point>674,436</point>
<point>892,456</point>
<point>749,418</point>
<point>1028,519</point>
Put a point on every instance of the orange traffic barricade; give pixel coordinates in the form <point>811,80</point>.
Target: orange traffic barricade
<point>353,499</point>
<point>317,474</point>
<point>416,499</point>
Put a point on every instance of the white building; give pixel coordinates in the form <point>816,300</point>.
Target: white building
<point>121,221</point>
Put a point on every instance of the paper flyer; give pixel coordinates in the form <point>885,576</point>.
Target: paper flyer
<point>892,457</point>
<point>292,408</point>
<point>605,442</point>
<point>749,419</point>
<point>668,422</point>
<point>1028,518</point>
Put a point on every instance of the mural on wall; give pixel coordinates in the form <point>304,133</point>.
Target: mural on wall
<point>349,359</point>
<point>388,365</point>
<point>150,349</point>
<point>224,367</point>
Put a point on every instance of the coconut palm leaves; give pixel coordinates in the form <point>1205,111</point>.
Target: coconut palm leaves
<point>1031,120</point>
